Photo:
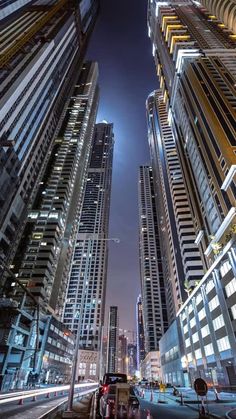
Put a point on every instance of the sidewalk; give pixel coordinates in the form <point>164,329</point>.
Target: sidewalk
<point>216,409</point>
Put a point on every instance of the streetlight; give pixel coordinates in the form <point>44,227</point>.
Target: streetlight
<point>68,413</point>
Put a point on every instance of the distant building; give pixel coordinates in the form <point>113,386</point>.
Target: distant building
<point>122,355</point>
<point>113,335</point>
<point>155,314</point>
<point>88,270</point>
<point>132,359</point>
<point>150,367</point>
<point>140,332</point>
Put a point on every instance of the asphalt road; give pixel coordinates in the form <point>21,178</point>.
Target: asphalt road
<point>167,411</point>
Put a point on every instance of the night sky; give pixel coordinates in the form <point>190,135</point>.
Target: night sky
<point>122,49</point>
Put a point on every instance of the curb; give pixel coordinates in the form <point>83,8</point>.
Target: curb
<point>213,415</point>
<point>228,413</point>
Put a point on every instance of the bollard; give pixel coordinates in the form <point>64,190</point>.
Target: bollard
<point>20,402</point>
<point>107,415</point>
<point>34,399</point>
<point>47,395</point>
<point>55,394</point>
<point>148,414</point>
<point>217,399</point>
<point>181,399</point>
<point>151,396</point>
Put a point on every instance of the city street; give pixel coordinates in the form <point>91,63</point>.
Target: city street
<point>167,411</point>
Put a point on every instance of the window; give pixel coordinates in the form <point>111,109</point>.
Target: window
<point>223,344</point>
<point>233,311</point>
<point>205,331</point>
<point>190,357</point>
<point>198,353</point>
<point>195,337</point>
<point>198,299</point>
<point>225,268</point>
<point>187,342</point>
<point>214,303</point>
<point>185,328</point>
<point>192,322</point>
<point>230,288</point>
<point>209,349</point>
<point>209,286</point>
<point>218,322</point>
<point>82,368</point>
<point>202,314</point>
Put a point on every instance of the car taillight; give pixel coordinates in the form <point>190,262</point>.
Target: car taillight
<point>104,389</point>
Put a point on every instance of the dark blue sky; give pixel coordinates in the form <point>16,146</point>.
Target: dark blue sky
<point>127,75</point>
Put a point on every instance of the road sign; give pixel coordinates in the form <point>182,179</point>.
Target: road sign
<point>200,386</point>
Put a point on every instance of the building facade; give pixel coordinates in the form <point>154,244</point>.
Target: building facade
<point>122,362</point>
<point>42,259</point>
<point>194,53</point>
<point>150,367</point>
<point>140,332</point>
<point>86,287</point>
<point>43,46</point>
<point>182,262</point>
<point>155,316</point>
<point>113,336</point>
<point>132,359</point>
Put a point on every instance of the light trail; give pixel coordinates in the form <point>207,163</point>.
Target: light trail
<point>11,397</point>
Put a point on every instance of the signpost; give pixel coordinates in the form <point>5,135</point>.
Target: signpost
<point>200,387</point>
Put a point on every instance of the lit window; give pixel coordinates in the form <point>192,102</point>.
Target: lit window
<point>190,308</point>
<point>209,349</point>
<point>210,285</point>
<point>195,337</point>
<point>198,299</point>
<point>231,287</point>
<point>214,303</point>
<point>198,353</point>
<point>233,311</point>
<point>185,328</point>
<point>223,344</point>
<point>225,267</point>
<point>190,357</point>
<point>187,342</point>
<point>218,322</point>
<point>205,331</point>
<point>192,322</point>
<point>202,314</point>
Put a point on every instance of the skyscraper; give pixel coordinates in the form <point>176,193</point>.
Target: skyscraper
<point>42,257</point>
<point>88,272</point>
<point>181,258</point>
<point>155,315</point>
<point>122,361</point>
<point>195,58</point>
<point>113,335</point>
<point>140,331</point>
<point>225,11</point>
<point>43,46</point>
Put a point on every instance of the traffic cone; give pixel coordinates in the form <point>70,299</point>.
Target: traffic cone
<point>181,399</point>
<point>47,395</point>
<point>62,393</point>
<point>217,395</point>
<point>34,399</point>
<point>148,414</point>
<point>143,394</point>
<point>20,402</point>
<point>55,394</point>
<point>107,415</point>
<point>151,396</point>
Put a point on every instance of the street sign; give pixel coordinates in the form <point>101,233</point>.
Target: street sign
<point>200,386</point>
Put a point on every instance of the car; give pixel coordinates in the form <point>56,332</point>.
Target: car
<point>108,401</point>
<point>110,378</point>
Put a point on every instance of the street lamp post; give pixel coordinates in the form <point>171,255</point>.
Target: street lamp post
<point>68,413</point>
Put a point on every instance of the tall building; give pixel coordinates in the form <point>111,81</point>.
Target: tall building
<point>140,332</point>
<point>113,335</point>
<point>88,271</point>
<point>181,258</point>
<point>42,258</point>
<point>122,361</point>
<point>155,315</point>
<point>132,359</point>
<point>194,53</point>
<point>225,11</point>
<point>43,46</point>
